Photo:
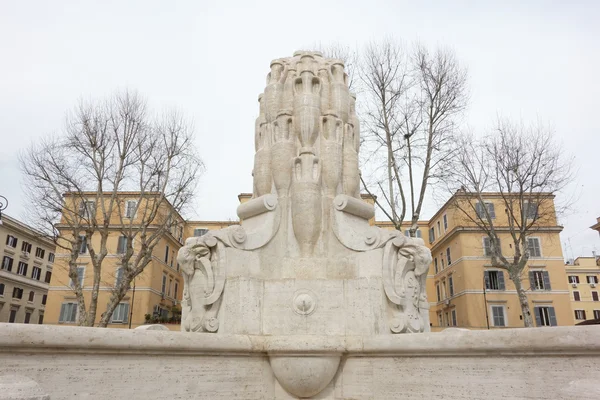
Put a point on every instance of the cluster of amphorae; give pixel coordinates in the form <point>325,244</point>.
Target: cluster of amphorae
<point>307,139</point>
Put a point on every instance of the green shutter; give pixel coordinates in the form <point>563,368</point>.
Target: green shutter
<point>61,318</point>
<point>126,310</point>
<point>486,279</point>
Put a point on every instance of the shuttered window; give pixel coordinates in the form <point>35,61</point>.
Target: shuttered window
<point>545,316</point>
<point>539,280</point>
<point>68,312</point>
<point>494,280</point>
<point>121,313</point>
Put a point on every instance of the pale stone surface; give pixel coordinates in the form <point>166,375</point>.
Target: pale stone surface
<point>305,260</point>
<point>95,363</point>
<point>16,387</point>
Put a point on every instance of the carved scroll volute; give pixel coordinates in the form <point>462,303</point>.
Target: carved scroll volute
<point>307,107</point>
<point>274,90</point>
<point>331,152</point>
<point>283,152</point>
<point>306,202</point>
<point>350,174</point>
<point>340,96</point>
<point>262,161</point>
<point>355,122</point>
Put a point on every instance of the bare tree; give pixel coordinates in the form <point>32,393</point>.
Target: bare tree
<point>524,169</point>
<point>75,183</point>
<point>344,53</point>
<point>411,103</point>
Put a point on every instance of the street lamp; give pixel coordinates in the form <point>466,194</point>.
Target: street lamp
<point>3,205</point>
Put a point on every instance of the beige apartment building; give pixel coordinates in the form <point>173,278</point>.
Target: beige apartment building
<point>584,276</point>
<point>154,296</point>
<point>27,264</point>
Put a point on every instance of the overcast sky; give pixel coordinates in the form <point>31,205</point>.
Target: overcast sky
<point>210,59</point>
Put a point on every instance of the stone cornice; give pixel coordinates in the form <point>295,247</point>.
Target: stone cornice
<point>22,280</point>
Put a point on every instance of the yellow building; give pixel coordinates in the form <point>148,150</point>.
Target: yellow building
<point>584,276</point>
<point>463,288</point>
<point>468,292</point>
<point>26,270</point>
<point>154,295</point>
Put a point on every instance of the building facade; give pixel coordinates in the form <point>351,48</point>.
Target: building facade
<point>27,264</point>
<point>584,277</point>
<point>153,297</point>
<point>468,292</point>
<point>463,287</point>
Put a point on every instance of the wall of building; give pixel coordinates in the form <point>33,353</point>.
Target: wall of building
<point>584,279</point>
<point>33,283</point>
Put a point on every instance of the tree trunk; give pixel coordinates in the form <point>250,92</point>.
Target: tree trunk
<point>525,310</point>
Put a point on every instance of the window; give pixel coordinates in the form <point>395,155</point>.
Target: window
<point>480,210</point>
<point>169,288</point>
<point>419,235</point>
<point>167,254</point>
<point>534,247</point>
<point>445,222</point>
<point>172,258</point>
<point>498,316</point>
<point>576,296</point>
<point>44,299</point>
<point>87,209</point>
<point>175,290</point>
<point>435,265</point>
<point>122,246</point>
<point>596,314</point>
<point>531,209</point>
<point>118,276</point>
<point>39,252</point>
<point>36,273</point>
<point>13,315</point>
<point>579,314</point>
<point>83,244</point>
<point>431,235</point>
<point>539,280</point>
<point>7,263</point>
<point>17,293</point>
<point>130,208</point>
<point>1,289</point>
<point>487,246</point>
<point>437,288</point>
<point>26,247</point>
<point>595,296</point>
<point>80,275</point>
<point>68,312</point>
<point>451,285</point>
<point>453,313</point>
<point>442,260</point>
<point>448,256</point>
<point>50,257</point>
<point>494,280</point>
<point>48,276</point>
<point>22,269</point>
<point>41,319</point>
<point>31,296</point>
<point>11,241</point>
<point>591,279</point>
<point>545,316</point>
<point>573,279</point>
<point>121,313</point>
<point>439,229</point>
<point>447,318</point>
<point>164,284</point>
<point>27,317</point>
<point>200,231</point>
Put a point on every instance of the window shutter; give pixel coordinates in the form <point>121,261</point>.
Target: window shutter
<point>478,210</point>
<point>536,313</point>
<point>491,211</point>
<point>595,296</point>
<point>126,311</point>
<point>546,277</point>
<point>121,246</point>
<point>486,279</point>
<point>63,309</point>
<point>531,280</point>
<point>501,285</point>
<point>73,312</point>
<point>552,315</point>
